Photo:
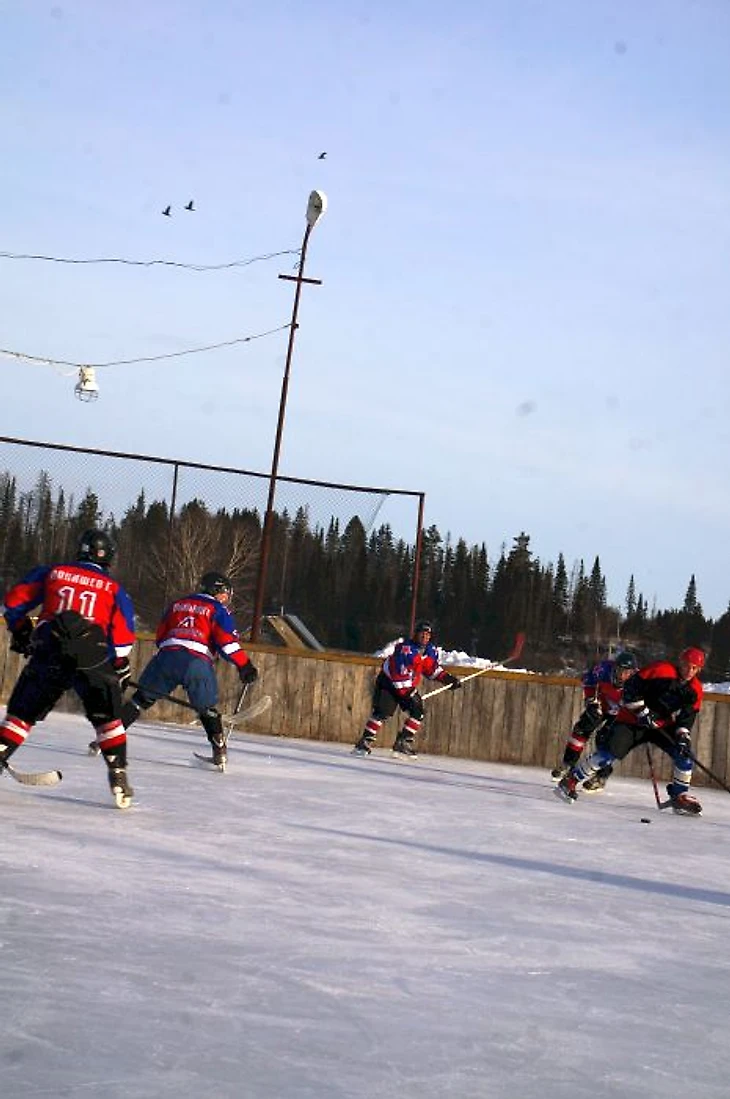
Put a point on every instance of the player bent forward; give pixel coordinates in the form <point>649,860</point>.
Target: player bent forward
<point>659,706</point>
<point>192,632</point>
<point>602,686</point>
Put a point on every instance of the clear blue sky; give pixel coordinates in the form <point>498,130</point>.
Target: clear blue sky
<point>525,261</point>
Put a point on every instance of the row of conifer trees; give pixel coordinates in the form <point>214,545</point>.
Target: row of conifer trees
<point>353,587</point>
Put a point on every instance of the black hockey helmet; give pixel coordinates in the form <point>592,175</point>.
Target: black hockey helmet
<point>420,627</point>
<point>96,547</point>
<point>624,662</point>
<point>215,584</point>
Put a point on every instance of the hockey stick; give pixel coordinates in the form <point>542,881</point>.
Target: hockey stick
<point>652,772</point>
<point>516,652</point>
<point>256,709</point>
<point>253,711</point>
<point>708,772</point>
<point>690,755</point>
<point>227,732</point>
<point>159,697</point>
<point>239,704</point>
<point>33,778</point>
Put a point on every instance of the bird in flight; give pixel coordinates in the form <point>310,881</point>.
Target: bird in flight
<point>166,212</point>
<point>190,206</point>
<point>321,156</point>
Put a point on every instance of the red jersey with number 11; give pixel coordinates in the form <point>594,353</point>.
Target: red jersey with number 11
<point>78,586</point>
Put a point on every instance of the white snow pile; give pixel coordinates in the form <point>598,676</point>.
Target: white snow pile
<point>463,660</point>
<point>457,658</point>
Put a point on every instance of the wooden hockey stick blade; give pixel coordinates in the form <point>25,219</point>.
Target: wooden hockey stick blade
<point>232,721</point>
<point>34,778</point>
<point>493,664</point>
<point>516,649</point>
<point>255,710</point>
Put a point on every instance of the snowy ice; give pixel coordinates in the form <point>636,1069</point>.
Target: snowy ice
<point>312,925</point>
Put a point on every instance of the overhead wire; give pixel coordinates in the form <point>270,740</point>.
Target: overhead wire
<point>197,267</point>
<point>45,360</point>
<point>155,262</point>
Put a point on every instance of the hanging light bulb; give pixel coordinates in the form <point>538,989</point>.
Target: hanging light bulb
<point>86,388</point>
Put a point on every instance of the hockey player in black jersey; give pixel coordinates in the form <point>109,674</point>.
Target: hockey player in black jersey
<point>660,704</point>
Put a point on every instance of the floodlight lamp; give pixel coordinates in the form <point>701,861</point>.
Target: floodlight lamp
<point>316,206</point>
<point>86,388</point>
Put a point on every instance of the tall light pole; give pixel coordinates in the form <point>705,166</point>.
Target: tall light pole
<point>316,207</point>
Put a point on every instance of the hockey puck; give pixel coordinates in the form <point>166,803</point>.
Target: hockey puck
<point>645,820</point>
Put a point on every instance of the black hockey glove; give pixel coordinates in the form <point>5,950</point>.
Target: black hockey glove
<point>123,671</point>
<point>451,681</point>
<point>21,635</point>
<point>248,674</point>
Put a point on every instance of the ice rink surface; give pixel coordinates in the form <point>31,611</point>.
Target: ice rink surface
<point>312,925</point>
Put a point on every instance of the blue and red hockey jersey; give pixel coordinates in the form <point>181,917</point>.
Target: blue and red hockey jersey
<point>77,586</point>
<point>408,662</point>
<point>203,626</point>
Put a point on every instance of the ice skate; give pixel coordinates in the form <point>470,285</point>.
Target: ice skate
<point>219,753</point>
<point>682,802</point>
<point>120,787</point>
<point>566,788</point>
<point>404,746</point>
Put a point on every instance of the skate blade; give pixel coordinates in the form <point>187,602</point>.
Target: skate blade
<point>207,761</point>
<point>669,804</point>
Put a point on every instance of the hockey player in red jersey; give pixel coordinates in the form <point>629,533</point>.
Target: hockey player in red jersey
<point>660,704</point>
<point>396,686</point>
<point>82,642</point>
<point>192,632</point>
<point>602,685</point>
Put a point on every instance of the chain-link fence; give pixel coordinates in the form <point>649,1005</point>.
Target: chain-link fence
<point>174,520</point>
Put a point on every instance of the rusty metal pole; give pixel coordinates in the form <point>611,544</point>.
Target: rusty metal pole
<point>317,206</point>
<point>417,563</point>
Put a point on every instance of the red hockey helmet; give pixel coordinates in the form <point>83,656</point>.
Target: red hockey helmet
<point>693,655</point>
